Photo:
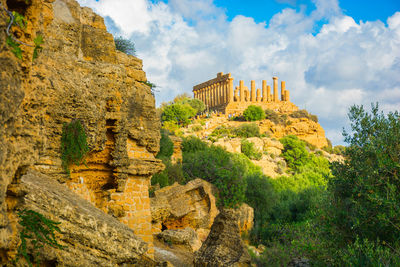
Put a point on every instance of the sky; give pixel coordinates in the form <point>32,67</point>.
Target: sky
<point>332,54</point>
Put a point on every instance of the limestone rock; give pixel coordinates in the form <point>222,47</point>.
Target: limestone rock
<point>77,75</point>
<point>180,206</point>
<point>231,145</point>
<point>245,218</point>
<point>90,237</point>
<point>177,154</point>
<point>187,237</point>
<point>258,143</point>
<point>223,246</point>
<point>192,205</point>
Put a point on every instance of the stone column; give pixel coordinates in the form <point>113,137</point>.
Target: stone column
<point>287,96</point>
<point>276,97</point>
<point>258,98</point>
<point>264,91</point>
<point>212,96</point>
<point>209,96</point>
<point>230,89</point>
<point>283,88</point>
<point>269,98</point>
<point>236,96</point>
<point>253,91</point>
<point>241,91</point>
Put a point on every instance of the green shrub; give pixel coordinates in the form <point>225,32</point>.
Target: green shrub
<point>366,186</point>
<point>178,113</point>
<point>339,150</point>
<point>218,167</point>
<point>197,128</point>
<point>171,174</point>
<point>314,118</point>
<point>124,45</point>
<point>166,145</point>
<point>253,113</point>
<point>73,144</point>
<point>192,144</point>
<point>260,195</point>
<point>222,131</point>
<point>272,116</point>
<point>302,113</point>
<point>249,150</point>
<point>294,151</point>
<point>247,130</point>
<point>367,253</point>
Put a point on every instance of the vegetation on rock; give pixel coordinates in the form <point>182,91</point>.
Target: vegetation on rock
<point>249,150</point>
<point>37,230</point>
<point>74,145</point>
<point>125,45</point>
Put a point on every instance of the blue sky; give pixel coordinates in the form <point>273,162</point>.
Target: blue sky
<point>331,53</point>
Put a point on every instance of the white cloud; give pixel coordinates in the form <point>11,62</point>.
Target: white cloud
<point>187,42</point>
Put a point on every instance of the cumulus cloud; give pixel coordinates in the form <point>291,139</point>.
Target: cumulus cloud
<point>186,42</point>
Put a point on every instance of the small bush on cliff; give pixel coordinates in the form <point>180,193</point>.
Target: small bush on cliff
<point>249,150</point>
<point>247,130</point>
<point>124,45</point>
<point>73,144</point>
<point>253,113</point>
<point>37,231</point>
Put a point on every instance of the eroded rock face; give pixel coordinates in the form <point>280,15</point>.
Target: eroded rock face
<point>77,75</point>
<point>89,236</point>
<point>179,206</point>
<point>223,246</point>
<point>192,205</point>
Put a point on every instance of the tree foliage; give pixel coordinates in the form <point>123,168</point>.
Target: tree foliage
<point>178,113</point>
<point>294,151</point>
<point>166,146</point>
<point>253,113</point>
<point>218,167</point>
<point>366,187</point>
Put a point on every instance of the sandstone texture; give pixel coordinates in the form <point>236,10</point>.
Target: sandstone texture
<point>77,75</point>
<point>186,237</point>
<point>179,206</point>
<point>223,246</point>
<point>89,236</point>
<point>191,206</point>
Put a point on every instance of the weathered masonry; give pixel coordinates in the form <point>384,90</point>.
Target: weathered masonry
<point>219,95</point>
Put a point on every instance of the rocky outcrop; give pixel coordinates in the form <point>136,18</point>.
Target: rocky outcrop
<point>179,206</point>
<point>186,237</point>
<point>89,236</point>
<point>223,246</point>
<point>77,75</point>
<point>191,206</point>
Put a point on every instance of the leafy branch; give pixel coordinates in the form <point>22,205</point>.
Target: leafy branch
<point>39,231</point>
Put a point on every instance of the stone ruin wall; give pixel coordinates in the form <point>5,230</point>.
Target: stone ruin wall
<point>77,75</point>
<point>219,95</point>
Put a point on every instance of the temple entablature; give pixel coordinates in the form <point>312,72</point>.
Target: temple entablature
<point>219,93</point>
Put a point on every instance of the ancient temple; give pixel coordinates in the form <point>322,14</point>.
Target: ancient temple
<point>219,95</point>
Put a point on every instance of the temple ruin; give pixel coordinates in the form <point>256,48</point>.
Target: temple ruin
<point>219,95</point>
